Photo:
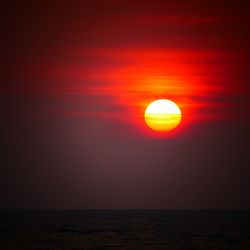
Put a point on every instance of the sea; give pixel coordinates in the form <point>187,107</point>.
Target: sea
<point>124,229</point>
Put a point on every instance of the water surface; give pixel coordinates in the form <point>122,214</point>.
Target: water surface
<point>125,229</point>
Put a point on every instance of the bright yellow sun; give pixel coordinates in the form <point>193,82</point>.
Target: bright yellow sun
<point>162,115</point>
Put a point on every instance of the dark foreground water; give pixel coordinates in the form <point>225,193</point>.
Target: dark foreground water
<point>125,229</point>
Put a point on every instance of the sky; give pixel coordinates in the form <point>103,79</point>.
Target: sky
<point>76,77</point>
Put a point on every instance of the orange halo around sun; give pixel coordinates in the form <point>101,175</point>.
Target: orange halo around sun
<point>143,76</point>
<point>162,115</point>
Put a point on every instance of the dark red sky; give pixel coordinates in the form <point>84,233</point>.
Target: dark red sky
<point>76,77</point>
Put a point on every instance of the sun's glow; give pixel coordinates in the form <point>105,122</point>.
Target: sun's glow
<point>162,115</point>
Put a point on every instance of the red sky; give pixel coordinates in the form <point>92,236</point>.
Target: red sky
<point>81,74</point>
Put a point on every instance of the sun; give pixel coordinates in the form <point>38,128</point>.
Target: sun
<point>162,115</point>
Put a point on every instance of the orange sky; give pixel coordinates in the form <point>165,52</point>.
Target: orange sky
<point>76,77</point>
<point>172,51</point>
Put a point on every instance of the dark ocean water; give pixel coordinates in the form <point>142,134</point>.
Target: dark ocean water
<point>125,229</point>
